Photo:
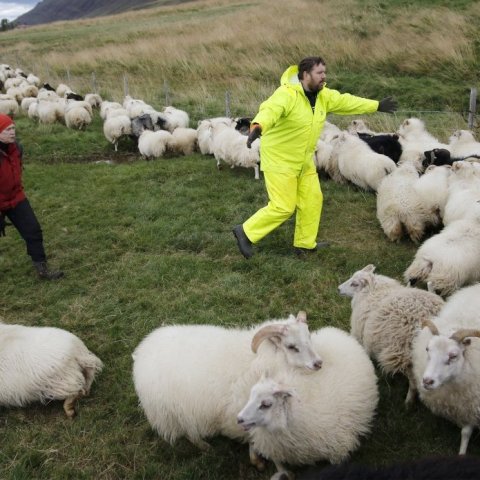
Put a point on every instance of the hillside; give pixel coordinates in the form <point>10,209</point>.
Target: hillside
<point>49,11</point>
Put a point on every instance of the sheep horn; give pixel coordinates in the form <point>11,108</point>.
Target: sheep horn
<point>463,333</point>
<point>266,332</point>
<point>428,323</point>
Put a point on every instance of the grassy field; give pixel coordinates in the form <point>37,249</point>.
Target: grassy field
<point>149,243</point>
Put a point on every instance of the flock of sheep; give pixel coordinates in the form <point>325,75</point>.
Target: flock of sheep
<point>156,133</point>
<point>296,397</point>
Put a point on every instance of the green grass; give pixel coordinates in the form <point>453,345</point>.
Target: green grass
<point>149,243</point>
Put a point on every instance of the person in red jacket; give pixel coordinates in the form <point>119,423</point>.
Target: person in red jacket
<point>14,204</point>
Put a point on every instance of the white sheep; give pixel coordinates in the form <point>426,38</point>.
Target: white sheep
<point>192,380</point>
<point>94,99</point>
<point>8,105</point>
<point>175,118</point>
<point>77,118</point>
<point>463,192</point>
<point>230,146</point>
<point>414,136</point>
<point>449,259</point>
<point>26,102</point>
<point>400,207</point>
<point>462,143</point>
<point>153,144</point>
<point>446,362</point>
<point>62,90</point>
<point>329,131</point>
<point>385,317</point>
<point>205,132</point>
<point>49,112</point>
<point>44,364</point>
<point>300,419</point>
<point>183,141</point>
<point>116,127</point>
<point>33,79</point>
<point>358,163</point>
<point>107,105</point>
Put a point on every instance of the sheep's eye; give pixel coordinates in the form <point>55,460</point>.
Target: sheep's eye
<point>354,283</point>
<point>451,358</point>
<point>265,405</point>
<point>294,348</point>
<point>427,350</point>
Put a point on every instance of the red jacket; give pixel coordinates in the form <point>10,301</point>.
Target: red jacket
<point>11,188</point>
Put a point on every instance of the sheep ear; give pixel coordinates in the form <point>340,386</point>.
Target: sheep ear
<point>302,316</point>
<point>284,393</point>
<point>369,268</point>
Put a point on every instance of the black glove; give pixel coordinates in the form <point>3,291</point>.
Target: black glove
<point>255,132</point>
<point>387,105</point>
<point>2,225</point>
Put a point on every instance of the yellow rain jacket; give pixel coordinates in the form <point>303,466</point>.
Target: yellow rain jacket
<point>289,147</point>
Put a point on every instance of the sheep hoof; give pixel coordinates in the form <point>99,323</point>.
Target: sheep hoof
<point>201,444</point>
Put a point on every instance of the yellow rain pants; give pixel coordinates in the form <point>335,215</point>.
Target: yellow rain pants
<point>287,193</point>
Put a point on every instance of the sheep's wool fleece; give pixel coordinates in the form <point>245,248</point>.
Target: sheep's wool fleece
<point>297,127</point>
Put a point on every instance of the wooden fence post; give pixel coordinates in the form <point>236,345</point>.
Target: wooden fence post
<point>473,108</point>
<point>165,91</point>
<point>125,84</point>
<point>94,83</point>
<point>227,103</point>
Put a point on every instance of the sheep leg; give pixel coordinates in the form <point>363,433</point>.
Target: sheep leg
<point>282,474</point>
<point>257,172</point>
<point>412,389</point>
<point>69,404</point>
<point>89,374</point>
<point>430,287</point>
<point>255,459</point>
<point>201,444</point>
<point>466,434</point>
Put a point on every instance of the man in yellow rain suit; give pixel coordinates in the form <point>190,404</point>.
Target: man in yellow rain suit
<point>290,122</point>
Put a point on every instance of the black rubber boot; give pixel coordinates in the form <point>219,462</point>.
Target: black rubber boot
<point>244,244</point>
<point>44,273</point>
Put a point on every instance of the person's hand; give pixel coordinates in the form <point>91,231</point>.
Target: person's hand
<point>2,225</point>
<point>387,105</point>
<point>255,132</point>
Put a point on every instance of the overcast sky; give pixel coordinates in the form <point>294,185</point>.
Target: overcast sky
<point>11,9</point>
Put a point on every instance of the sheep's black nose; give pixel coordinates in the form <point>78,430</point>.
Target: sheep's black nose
<point>239,420</point>
<point>428,381</point>
<point>317,365</point>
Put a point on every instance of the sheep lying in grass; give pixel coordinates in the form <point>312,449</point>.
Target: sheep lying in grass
<point>385,318</point>
<point>446,362</point>
<point>200,396</point>
<point>449,260</point>
<point>39,364</point>
<point>301,419</point>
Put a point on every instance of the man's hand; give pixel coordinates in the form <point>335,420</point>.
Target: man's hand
<point>387,105</point>
<point>255,132</point>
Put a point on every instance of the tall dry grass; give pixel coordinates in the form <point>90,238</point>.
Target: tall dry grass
<point>205,47</point>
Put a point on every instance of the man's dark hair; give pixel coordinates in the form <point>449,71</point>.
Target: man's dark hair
<point>307,64</point>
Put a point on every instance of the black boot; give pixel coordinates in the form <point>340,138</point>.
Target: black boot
<point>244,244</point>
<point>46,274</point>
<point>302,251</point>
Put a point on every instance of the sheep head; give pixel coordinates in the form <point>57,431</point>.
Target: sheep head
<point>446,357</point>
<point>293,338</point>
<point>267,406</point>
<point>359,281</point>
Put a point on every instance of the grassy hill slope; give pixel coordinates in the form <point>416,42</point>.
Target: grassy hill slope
<point>425,54</point>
